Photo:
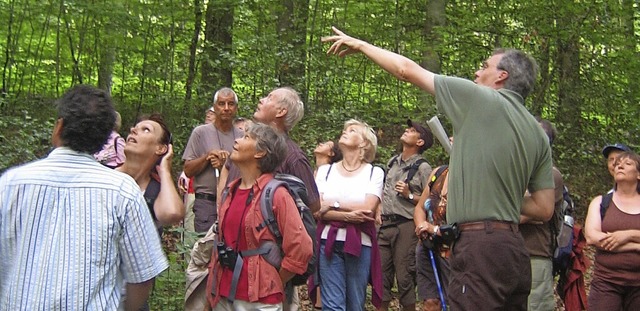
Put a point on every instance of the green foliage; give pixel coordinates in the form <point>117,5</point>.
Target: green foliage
<point>23,138</point>
<point>588,54</point>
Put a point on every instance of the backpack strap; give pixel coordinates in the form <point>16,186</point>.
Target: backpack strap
<point>604,204</point>
<point>151,194</point>
<point>266,207</point>
<point>236,276</point>
<point>413,169</point>
<point>437,175</point>
<point>328,171</point>
<point>392,161</point>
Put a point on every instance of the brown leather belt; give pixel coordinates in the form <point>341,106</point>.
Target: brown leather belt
<point>206,196</point>
<point>488,225</point>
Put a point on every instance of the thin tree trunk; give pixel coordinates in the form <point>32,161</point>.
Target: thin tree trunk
<point>35,76</point>
<point>103,30</point>
<point>76,67</point>
<point>7,51</point>
<point>292,33</point>
<point>193,47</point>
<point>216,68</point>
<point>58,47</point>
<point>145,52</point>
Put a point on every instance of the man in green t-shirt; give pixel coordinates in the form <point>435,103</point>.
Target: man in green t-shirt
<point>499,154</point>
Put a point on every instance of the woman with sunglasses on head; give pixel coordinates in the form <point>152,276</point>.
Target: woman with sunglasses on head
<point>615,232</point>
<point>148,153</point>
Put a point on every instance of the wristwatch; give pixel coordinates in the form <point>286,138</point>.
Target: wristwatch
<point>336,205</point>
<point>410,196</point>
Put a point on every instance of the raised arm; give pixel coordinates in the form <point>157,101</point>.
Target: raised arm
<point>168,207</point>
<point>399,66</point>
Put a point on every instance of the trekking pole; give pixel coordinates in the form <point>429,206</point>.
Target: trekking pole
<point>435,273</point>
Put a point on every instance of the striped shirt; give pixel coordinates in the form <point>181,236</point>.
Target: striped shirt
<point>71,232</point>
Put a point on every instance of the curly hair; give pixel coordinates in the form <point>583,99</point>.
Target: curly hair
<point>88,118</point>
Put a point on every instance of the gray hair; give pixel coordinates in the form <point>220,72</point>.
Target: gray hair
<point>294,105</point>
<point>522,70</point>
<point>271,142</point>
<point>225,91</point>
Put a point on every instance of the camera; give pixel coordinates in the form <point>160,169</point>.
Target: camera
<point>449,233</point>
<point>227,256</point>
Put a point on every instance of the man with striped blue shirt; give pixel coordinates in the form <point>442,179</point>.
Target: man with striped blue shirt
<point>72,231</point>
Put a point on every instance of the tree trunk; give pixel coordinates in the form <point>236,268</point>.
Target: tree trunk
<point>7,52</point>
<point>107,55</point>
<point>291,28</point>
<point>197,5</point>
<point>216,65</point>
<point>436,17</point>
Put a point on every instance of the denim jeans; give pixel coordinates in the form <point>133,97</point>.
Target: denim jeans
<point>344,278</point>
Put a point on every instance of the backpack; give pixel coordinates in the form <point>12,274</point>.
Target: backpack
<point>108,155</point>
<point>604,204</point>
<point>298,192</point>
<point>562,233</point>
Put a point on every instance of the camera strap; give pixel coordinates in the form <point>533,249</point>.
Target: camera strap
<point>236,276</point>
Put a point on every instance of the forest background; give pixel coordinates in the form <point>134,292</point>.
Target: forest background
<point>170,56</point>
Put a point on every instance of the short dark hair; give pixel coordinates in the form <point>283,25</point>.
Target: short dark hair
<point>337,153</point>
<point>88,118</point>
<point>156,117</point>
<point>548,129</point>
<point>271,142</point>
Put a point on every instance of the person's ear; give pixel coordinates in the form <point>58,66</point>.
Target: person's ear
<point>420,142</point>
<point>502,77</point>
<point>56,135</point>
<point>260,155</point>
<point>162,149</point>
<point>282,111</point>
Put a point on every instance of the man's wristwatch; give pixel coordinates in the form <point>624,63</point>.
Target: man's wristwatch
<point>410,196</point>
<point>336,205</point>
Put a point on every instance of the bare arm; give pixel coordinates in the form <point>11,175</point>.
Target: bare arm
<point>539,205</point>
<point>399,66</point>
<point>593,223</point>
<point>215,158</point>
<point>137,294</point>
<point>168,207</point>
<point>420,215</point>
<point>194,167</point>
<point>621,241</point>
